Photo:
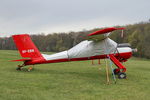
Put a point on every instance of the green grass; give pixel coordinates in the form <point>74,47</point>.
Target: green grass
<point>71,81</point>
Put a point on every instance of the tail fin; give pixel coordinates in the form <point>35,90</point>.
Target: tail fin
<point>25,46</point>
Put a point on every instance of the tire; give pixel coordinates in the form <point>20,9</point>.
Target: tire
<point>116,72</point>
<point>122,75</point>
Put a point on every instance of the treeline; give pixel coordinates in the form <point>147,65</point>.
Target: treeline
<point>138,35</point>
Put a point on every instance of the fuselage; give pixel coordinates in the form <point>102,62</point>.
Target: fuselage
<point>86,50</point>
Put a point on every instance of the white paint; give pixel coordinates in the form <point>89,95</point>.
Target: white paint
<point>124,50</point>
<point>85,49</point>
<point>28,51</point>
<point>60,55</point>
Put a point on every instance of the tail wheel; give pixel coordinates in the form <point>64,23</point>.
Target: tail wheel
<point>29,69</point>
<point>122,75</point>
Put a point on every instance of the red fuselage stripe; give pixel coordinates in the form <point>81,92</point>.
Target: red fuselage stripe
<point>43,61</point>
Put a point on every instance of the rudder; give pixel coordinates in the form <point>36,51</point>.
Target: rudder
<point>25,46</point>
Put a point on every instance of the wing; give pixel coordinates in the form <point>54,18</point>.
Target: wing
<point>102,34</point>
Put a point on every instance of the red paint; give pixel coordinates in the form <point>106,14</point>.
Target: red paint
<point>42,61</point>
<point>106,30</point>
<point>112,57</point>
<point>26,47</point>
<point>122,57</point>
<point>28,50</point>
<point>116,62</point>
<point>125,55</point>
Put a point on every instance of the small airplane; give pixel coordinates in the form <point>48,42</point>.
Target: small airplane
<point>97,46</point>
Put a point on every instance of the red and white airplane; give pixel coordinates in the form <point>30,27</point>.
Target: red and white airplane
<point>97,46</point>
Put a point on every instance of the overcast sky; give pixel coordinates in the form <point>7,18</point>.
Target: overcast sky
<point>36,16</point>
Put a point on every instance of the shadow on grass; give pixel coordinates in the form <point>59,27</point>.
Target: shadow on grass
<point>94,75</point>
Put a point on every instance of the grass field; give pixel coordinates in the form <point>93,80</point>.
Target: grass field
<point>71,81</point>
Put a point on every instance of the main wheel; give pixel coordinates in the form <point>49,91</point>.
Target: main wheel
<point>122,75</point>
<point>116,71</point>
